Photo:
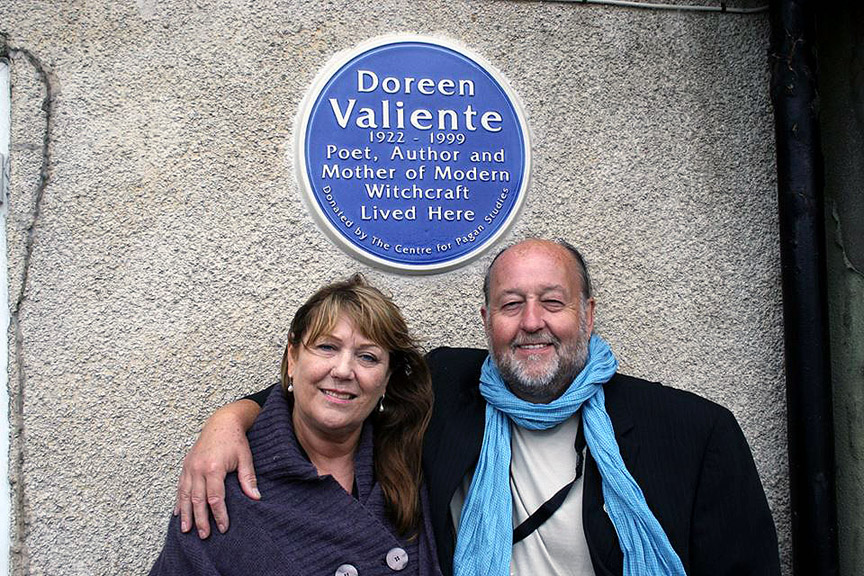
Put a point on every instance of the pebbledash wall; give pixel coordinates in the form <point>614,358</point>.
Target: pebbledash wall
<point>158,244</point>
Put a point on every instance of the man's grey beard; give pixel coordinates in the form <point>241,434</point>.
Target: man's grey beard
<point>543,388</point>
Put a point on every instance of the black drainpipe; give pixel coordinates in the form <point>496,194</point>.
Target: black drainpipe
<point>800,186</point>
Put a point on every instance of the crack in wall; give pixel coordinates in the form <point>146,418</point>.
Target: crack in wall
<point>19,547</point>
<point>838,239</point>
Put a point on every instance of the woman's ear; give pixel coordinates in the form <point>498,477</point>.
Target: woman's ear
<point>291,359</point>
<point>289,362</point>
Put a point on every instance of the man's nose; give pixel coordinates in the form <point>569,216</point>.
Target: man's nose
<point>532,317</point>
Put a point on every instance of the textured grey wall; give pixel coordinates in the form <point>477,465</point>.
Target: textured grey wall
<point>168,246</point>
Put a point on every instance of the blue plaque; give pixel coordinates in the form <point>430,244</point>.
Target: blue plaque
<point>412,154</point>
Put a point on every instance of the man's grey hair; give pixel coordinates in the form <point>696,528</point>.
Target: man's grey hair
<point>577,256</point>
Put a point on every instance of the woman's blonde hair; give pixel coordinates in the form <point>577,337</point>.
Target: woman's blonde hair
<point>399,429</point>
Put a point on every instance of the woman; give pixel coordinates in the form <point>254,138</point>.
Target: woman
<point>337,449</point>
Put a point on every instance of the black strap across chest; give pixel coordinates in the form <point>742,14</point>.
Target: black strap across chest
<point>545,511</point>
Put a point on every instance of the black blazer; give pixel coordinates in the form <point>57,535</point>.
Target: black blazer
<point>687,454</point>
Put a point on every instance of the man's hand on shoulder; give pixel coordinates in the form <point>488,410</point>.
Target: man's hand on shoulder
<point>221,448</point>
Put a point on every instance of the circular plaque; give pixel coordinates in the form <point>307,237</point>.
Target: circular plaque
<point>412,154</point>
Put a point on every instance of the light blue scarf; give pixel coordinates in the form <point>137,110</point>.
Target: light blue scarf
<point>484,543</point>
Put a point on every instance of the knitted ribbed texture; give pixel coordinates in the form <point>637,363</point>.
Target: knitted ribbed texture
<point>484,543</point>
<point>303,524</point>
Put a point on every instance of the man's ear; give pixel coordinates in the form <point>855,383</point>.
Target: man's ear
<point>484,314</point>
<point>589,315</point>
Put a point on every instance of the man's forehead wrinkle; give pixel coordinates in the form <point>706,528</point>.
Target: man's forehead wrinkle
<point>543,289</point>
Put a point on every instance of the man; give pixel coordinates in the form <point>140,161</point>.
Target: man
<point>666,485</point>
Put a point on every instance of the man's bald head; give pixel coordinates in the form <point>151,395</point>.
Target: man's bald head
<point>582,268</point>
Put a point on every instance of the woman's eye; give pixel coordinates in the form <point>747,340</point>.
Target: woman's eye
<point>325,347</point>
<point>369,358</point>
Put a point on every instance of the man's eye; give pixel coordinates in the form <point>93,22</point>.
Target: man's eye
<point>553,304</point>
<point>510,305</point>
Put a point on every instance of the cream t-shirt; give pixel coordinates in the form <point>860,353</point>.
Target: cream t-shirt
<point>541,463</point>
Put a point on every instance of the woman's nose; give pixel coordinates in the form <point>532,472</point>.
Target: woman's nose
<point>343,367</point>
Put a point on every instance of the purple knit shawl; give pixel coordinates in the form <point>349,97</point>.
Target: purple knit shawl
<point>304,524</point>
